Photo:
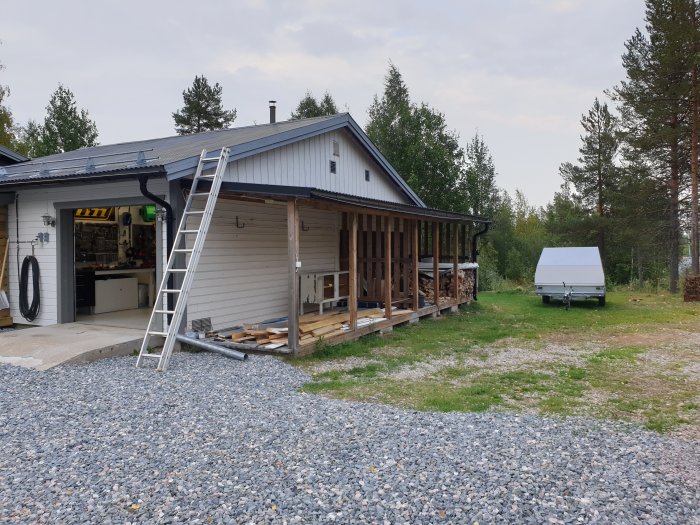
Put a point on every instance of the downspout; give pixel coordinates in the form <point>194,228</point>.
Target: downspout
<point>169,220</point>
<point>475,254</point>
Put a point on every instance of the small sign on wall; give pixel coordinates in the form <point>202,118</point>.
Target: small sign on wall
<point>95,214</point>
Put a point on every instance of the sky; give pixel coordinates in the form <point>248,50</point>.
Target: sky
<point>519,72</point>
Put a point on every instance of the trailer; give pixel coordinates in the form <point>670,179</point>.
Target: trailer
<point>570,273</point>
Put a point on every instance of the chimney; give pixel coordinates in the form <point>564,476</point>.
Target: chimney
<point>272,111</point>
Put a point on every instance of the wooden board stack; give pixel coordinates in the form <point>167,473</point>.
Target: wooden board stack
<point>267,339</point>
<point>312,328</point>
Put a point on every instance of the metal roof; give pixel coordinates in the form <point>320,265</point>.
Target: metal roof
<point>177,156</point>
<point>154,152</point>
<point>11,155</point>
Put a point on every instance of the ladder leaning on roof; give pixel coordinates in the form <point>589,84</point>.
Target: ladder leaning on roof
<point>190,266</point>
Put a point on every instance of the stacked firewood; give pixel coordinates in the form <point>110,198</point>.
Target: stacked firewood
<point>692,288</point>
<point>465,284</point>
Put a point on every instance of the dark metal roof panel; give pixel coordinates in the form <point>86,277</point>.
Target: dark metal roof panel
<point>155,152</point>
<point>11,155</point>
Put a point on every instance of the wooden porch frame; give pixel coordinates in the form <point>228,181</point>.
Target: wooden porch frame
<point>377,226</point>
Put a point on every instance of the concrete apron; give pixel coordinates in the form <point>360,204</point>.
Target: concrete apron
<point>44,347</point>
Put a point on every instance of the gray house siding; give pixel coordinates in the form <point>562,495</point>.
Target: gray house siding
<point>307,164</point>
<point>242,274</point>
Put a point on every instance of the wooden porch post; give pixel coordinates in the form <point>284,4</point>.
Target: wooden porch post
<point>436,264</point>
<point>352,271</point>
<point>387,267</point>
<point>455,261</point>
<point>293,278</point>
<point>414,255</point>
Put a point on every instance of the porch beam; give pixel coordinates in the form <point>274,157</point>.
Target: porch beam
<point>436,264</point>
<point>387,267</point>
<point>352,273</point>
<point>293,277</point>
<point>381,213</point>
<point>455,261</point>
<point>414,266</point>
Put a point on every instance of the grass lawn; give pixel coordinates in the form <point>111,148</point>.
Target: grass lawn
<point>636,359</point>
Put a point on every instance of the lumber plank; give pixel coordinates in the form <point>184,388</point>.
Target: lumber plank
<point>337,318</point>
<point>326,329</point>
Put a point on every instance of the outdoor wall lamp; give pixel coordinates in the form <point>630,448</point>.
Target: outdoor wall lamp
<point>48,220</point>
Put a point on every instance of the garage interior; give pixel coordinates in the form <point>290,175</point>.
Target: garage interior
<point>115,258</point>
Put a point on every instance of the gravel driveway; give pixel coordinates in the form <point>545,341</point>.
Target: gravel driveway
<point>220,441</point>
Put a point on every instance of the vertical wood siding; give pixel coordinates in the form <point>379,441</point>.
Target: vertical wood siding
<point>33,203</point>
<point>242,273</point>
<point>307,164</point>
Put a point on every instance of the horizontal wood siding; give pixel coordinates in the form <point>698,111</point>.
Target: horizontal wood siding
<point>307,164</point>
<point>242,273</point>
<point>33,203</point>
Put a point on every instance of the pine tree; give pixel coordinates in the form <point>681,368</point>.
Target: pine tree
<point>416,141</point>
<point>7,136</point>
<point>65,128</point>
<point>478,180</point>
<point>9,130</point>
<point>203,109</point>
<point>596,178</point>
<point>309,107</point>
<point>655,104</point>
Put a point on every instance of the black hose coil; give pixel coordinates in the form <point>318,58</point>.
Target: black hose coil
<point>29,312</point>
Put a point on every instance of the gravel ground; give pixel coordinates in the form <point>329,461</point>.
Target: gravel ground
<point>220,441</point>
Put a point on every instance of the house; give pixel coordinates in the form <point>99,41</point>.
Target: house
<point>99,222</point>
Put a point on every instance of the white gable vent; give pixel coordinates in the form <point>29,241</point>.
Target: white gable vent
<point>336,148</point>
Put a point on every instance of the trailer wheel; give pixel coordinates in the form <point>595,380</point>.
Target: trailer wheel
<point>601,301</point>
<point>545,299</point>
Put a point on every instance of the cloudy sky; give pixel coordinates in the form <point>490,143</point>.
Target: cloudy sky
<point>520,72</point>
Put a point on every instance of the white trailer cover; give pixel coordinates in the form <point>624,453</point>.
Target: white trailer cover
<point>578,266</point>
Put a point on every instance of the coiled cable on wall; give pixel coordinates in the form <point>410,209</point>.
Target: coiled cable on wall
<point>29,312</point>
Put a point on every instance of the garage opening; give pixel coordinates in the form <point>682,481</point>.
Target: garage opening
<point>115,257</point>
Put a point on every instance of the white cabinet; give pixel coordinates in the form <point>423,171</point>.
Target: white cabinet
<point>112,295</point>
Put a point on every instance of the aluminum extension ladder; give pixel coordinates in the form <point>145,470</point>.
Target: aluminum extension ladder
<point>160,308</point>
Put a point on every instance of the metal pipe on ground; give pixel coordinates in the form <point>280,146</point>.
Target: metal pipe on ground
<point>227,352</point>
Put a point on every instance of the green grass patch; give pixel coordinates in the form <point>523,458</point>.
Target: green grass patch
<point>626,353</point>
<point>610,383</point>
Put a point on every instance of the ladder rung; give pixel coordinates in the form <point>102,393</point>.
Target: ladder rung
<point>182,250</point>
<point>210,159</point>
<point>163,334</point>
<point>194,212</point>
<point>178,270</point>
<point>199,194</point>
<point>188,231</point>
<point>170,290</point>
<point>207,176</point>
<point>155,356</point>
<point>169,312</point>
